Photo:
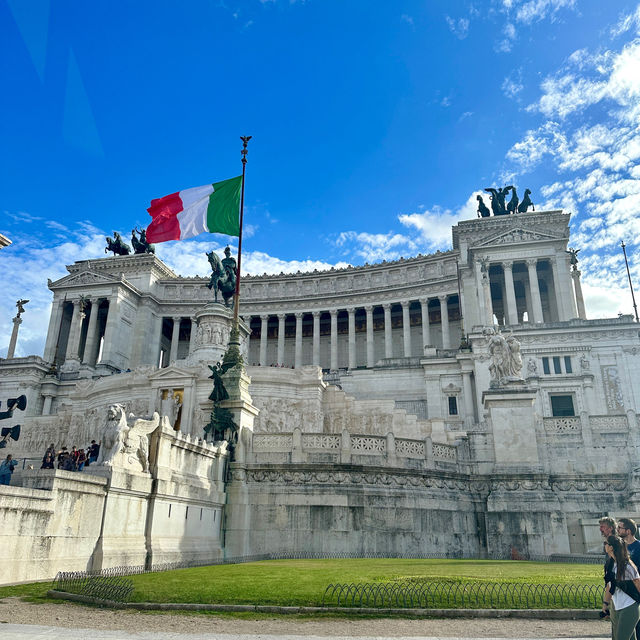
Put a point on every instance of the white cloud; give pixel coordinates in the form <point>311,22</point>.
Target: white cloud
<point>512,84</point>
<point>407,18</point>
<point>459,27</point>
<point>374,247</point>
<point>528,11</point>
<point>590,135</point>
<point>434,225</point>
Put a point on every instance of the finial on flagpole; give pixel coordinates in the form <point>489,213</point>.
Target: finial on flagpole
<point>245,140</point>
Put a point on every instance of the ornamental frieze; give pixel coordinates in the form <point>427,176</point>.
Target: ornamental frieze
<point>381,479</point>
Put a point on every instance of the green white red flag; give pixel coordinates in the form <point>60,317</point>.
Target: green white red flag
<point>213,208</point>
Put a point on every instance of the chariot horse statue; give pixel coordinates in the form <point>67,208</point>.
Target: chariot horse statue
<point>223,276</point>
<point>117,245</point>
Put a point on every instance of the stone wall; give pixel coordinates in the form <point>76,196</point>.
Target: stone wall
<point>52,520</point>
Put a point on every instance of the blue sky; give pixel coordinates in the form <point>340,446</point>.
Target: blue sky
<point>374,124</point>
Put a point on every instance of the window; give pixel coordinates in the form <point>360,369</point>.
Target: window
<point>562,406</point>
<point>556,364</point>
<point>545,365</point>
<point>453,406</point>
<point>567,364</point>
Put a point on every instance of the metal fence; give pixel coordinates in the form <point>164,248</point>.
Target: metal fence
<point>103,587</point>
<point>470,595</point>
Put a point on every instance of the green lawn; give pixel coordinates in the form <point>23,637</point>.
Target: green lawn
<point>303,582</point>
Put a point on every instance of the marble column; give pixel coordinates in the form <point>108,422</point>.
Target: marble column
<point>17,321</point>
<point>281,319</point>
<point>575,274</point>
<point>298,356</point>
<point>370,344</point>
<point>557,287</point>
<point>193,332</point>
<point>467,391</point>
<point>486,292</point>
<point>73,343</point>
<point>175,338</point>
<point>89,356</point>
<point>352,337</point>
<point>316,338</point>
<point>536,303</point>
<point>426,329</point>
<point>406,328</point>
<point>334,339</point>
<point>110,330</point>
<point>444,320</point>
<point>512,309</point>
<point>54,330</point>
<point>264,320</point>
<point>388,332</point>
<point>158,333</point>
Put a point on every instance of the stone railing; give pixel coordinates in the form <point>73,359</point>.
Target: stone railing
<point>571,425</point>
<point>563,425</point>
<point>609,423</point>
<point>346,448</point>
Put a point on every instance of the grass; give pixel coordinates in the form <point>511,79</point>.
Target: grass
<point>303,582</point>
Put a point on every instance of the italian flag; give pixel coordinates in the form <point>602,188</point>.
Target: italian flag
<point>214,208</point>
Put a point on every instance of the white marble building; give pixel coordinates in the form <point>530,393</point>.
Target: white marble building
<point>370,424</point>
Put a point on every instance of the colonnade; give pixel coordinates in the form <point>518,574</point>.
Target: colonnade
<point>407,348</point>
<point>556,303</point>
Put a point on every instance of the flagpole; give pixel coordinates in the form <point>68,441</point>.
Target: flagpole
<point>635,307</point>
<point>236,301</point>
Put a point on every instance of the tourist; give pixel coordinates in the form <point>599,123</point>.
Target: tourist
<point>622,595</point>
<point>607,528</point>
<point>49,457</point>
<point>627,530</point>
<point>6,469</point>
<point>74,459</point>
<point>94,450</point>
<point>62,456</point>
<point>81,458</point>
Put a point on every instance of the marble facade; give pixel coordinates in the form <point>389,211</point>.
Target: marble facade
<point>368,419</point>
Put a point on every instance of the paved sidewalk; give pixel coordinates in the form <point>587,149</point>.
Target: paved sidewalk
<point>35,632</point>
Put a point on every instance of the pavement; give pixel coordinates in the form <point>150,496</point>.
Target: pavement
<point>37,632</point>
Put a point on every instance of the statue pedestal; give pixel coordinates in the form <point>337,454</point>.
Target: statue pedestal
<point>513,421</point>
<point>214,323</point>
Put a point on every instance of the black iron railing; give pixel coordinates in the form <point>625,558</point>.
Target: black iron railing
<point>464,595</point>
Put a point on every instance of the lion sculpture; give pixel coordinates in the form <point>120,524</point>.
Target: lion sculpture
<point>125,442</point>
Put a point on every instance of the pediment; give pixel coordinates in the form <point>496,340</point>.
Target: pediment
<point>172,372</point>
<point>83,278</point>
<point>516,236</point>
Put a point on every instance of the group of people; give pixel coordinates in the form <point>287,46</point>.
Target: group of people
<point>621,600</point>
<point>74,460</point>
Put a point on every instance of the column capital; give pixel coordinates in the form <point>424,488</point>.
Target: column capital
<point>264,317</point>
<point>507,265</point>
<point>176,318</point>
<point>17,320</point>
<point>576,273</point>
<point>282,316</point>
<point>424,301</point>
<point>405,303</point>
<point>333,313</point>
<point>298,315</point>
<point>368,308</point>
<point>351,310</point>
<point>531,262</point>
<point>316,314</point>
<point>387,306</point>
<point>443,297</point>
